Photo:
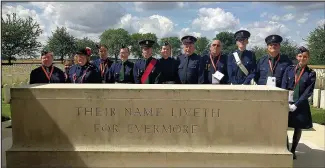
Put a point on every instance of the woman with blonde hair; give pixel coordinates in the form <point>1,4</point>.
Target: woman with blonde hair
<point>83,71</point>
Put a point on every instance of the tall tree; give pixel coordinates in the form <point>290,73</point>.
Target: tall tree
<point>86,42</point>
<point>316,41</point>
<point>259,52</point>
<point>228,42</point>
<point>202,45</point>
<point>61,43</point>
<point>19,36</point>
<point>136,37</point>
<point>288,48</point>
<point>114,39</point>
<point>175,43</point>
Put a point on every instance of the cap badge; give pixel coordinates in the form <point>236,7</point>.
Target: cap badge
<point>146,42</point>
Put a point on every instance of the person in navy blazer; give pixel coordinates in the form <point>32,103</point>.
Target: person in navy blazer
<point>83,71</point>
<point>219,63</point>
<point>246,60</point>
<point>191,65</point>
<point>273,64</point>
<point>103,64</point>
<point>122,71</point>
<point>300,81</point>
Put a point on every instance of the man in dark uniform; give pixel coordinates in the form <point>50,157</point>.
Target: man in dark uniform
<point>191,66</point>
<point>122,71</point>
<point>271,67</point>
<point>215,71</point>
<point>146,70</point>
<point>83,71</point>
<point>47,72</point>
<point>241,63</point>
<point>103,64</point>
<point>168,66</point>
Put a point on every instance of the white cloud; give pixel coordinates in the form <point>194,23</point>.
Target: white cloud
<point>263,14</point>
<point>215,19</point>
<point>302,6</point>
<point>160,25</point>
<point>260,30</point>
<point>275,18</point>
<point>143,6</point>
<point>321,22</point>
<point>187,31</point>
<point>288,17</point>
<point>82,19</point>
<point>302,20</point>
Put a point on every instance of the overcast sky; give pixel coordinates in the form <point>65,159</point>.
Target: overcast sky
<point>293,20</point>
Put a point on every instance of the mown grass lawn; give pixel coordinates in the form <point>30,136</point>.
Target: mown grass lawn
<point>318,115</point>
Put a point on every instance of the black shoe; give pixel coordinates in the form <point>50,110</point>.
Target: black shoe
<point>294,156</point>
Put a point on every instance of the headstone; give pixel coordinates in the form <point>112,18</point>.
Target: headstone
<point>6,95</point>
<point>322,99</point>
<point>121,125</point>
<point>316,98</point>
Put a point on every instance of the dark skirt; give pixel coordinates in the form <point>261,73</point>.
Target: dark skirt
<point>301,117</point>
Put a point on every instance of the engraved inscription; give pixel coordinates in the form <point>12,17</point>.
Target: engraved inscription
<point>146,114</point>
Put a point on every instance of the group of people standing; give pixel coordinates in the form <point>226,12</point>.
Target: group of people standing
<point>237,68</point>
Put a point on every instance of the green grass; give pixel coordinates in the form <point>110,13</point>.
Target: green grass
<point>5,110</point>
<point>318,115</point>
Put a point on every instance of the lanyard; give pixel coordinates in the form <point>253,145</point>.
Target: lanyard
<point>298,78</point>
<point>82,78</point>
<point>212,62</point>
<point>272,68</point>
<point>102,68</point>
<point>48,75</point>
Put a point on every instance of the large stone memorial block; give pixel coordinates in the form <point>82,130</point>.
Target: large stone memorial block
<point>121,125</point>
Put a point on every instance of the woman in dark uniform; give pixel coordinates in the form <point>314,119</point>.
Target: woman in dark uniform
<point>83,71</point>
<point>300,81</point>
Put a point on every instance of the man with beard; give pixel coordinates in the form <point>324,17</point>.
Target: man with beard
<point>215,65</point>
<point>271,67</point>
<point>122,71</point>
<point>168,66</point>
<point>103,64</point>
<point>146,70</point>
<point>47,72</point>
<point>191,66</point>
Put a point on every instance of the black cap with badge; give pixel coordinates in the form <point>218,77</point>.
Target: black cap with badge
<point>188,40</point>
<point>271,39</point>
<point>242,35</point>
<point>146,43</point>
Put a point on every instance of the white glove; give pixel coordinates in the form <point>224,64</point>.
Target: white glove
<point>292,107</point>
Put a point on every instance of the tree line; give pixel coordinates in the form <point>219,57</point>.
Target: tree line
<point>19,37</point>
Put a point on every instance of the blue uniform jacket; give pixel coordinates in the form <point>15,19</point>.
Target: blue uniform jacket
<point>114,73</point>
<point>107,65</point>
<point>84,74</point>
<point>301,117</point>
<point>194,73</point>
<point>307,83</point>
<point>263,69</point>
<point>140,67</point>
<point>221,67</point>
<point>37,75</point>
<point>248,60</point>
